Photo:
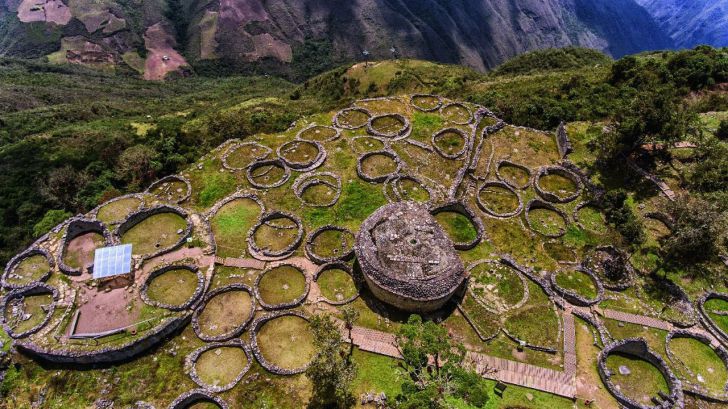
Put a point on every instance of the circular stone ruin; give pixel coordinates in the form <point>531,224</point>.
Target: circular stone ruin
<point>336,283</point>
<point>390,126</point>
<point>302,155</point>
<point>513,174</point>
<point>268,173</point>
<point>401,187</point>
<point>452,216</point>
<point>155,231</point>
<point>173,287</point>
<point>713,309</point>
<point>330,243</point>
<point>118,209</point>
<point>282,286</point>
<point>426,102</point>
<point>319,133</point>
<point>219,366</point>
<point>579,286</point>
<point>78,244</point>
<point>636,352</point>
<point>224,313</point>
<point>611,266</point>
<point>321,189</point>
<point>701,366</point>
<point>26,310</point>
<point>557,184</point>
<point>406,258</point>
<point>457,113</point>
<point>282,342</point>
<point>173,189</point>
<point>588,216</point>
<point>499,200</point>
<point>378,166</point>
<point>192,399</point>
<point>352,118</point>
<point>450,143</point>
<point>242,154</point>
<point>32,266</point>
<point>497,287</point>
<point>546,219</point>
<point>275,236</point>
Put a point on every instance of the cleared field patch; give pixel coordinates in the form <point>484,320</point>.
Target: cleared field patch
<point>699,364</point>
<point>332,243</point>
<point>496,286</point>
<point>29,269</point>
<point>231,224</point>
<point>426,102</point>
<point>636,378</point>
<point>336,285</point>
<point>514,175</point>
<point>221,366</point>
<point>578,282</point>
<point>173,287</point>
<point>456,113</point>
<point>559,185</point>
<point>299,152</point>
<point>378,165</point>
<point>242,155</point>
<point>156,232</point>
<point>225,312</point>
<point>535,324</point>
<point>457,226</point>
<point>286,342</point>
<point>276,234</point>
<point>364,144</point>
<point>79,252</point>
<point>31,309</point>
<point>388,124</point>
<point>117,210</point>
<point>323,133</point>
<point>281,285</point>
<point>450,142</point>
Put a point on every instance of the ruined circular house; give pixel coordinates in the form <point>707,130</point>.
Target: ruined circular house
<point>407,260</point>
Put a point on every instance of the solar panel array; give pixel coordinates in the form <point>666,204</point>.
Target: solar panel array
<point>112,261</point>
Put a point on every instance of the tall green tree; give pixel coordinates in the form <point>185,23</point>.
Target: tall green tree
<point>435,368</point>
<point>331,371</point>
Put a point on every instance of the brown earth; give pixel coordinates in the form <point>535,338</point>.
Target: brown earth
<point>51,11</point>
<point>162,58</point>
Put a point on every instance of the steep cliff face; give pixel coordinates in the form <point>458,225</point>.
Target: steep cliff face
<point>691,22</point>
<point>477,33</point>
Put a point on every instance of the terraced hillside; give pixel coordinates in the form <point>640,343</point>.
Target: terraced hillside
<point>257,236</point>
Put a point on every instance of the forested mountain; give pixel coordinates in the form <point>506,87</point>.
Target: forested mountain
<point>303,37</point>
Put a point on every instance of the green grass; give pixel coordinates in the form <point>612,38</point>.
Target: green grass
<point>592,219</point>
<point>225,312</point>
<point>644,381</point>
<point>336,285</point>
<point>457,226</point>
<point>332,243</point>
<point>276,235</point>
<point>702,361</point>
<point>118,210</point>
<point>173,287</point>
<point>287,342</point>
<point>577,282</point>
<point>715,304</point>
<point>375,373</point>
<point>220,366</point>
<point>281,285</point>
<point>31,305</point>
<point>456,113</point>
<point>215,188</point>
<point>506,286</point>
<point>242,156</point>
<point>360,199</point>
<point>424,125</point>
<point>546,221</point>
<point>499,200</point>
<point>154,233</point>
<point>514,175</point>
<point>231,224</point>
<point>378,165</point>
<point>559,185</point>
<point>30,269</point>
<point>535,324</point>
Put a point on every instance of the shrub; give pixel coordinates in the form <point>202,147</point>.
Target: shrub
<point>722,132</point>
<point>622,217</point>
<point>50,220</point>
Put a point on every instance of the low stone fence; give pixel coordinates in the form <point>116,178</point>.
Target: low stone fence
<point>303,166</point>
<point>187,304</point>
<point>173,178</point>
<point>505,162</point>
<point>188,399</point>
<point>306,181</point>
<point>192,358</point>
<point>572,296</point>
<point>265,151</point>
<point>707,320</point>
<point>484,207</point>
<point>234,332</point>
<point>540,204</point>
<point>263,163</point>
<point>638,347</point>
<point>255,327</point>
<point>344,267</point>
<point>381,178</point>
<point>560,171</point>
<point>401,133</point>
<point>75,227</point>
<point>35,289</point>
<point>692,388</point>
<point>17,259</point>
<point>282,306</point>
<point>346,254</point>
<point>461,208</point>
<point>142,214</point>
<point>257,251</point>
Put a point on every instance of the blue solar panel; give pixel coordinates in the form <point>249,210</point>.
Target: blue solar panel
<point>112,261</point>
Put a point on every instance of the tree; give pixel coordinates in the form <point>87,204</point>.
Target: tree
<point>435,368</point>
<point>331,371</point>
<point>62,186</point>
<point>350,315</point>
<point>722,132</point>
<point>698,231</point>
<point>138,165</point>
<point>622,217</point>
<point>51,219</point>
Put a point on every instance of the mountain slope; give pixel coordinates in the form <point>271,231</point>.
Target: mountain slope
<point>691,22</point>
<point>291,35</point>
